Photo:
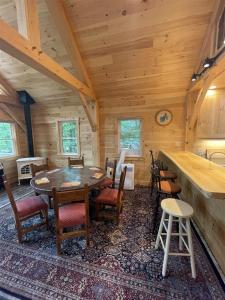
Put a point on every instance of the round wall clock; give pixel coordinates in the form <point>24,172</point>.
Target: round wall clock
<point>163,117</point>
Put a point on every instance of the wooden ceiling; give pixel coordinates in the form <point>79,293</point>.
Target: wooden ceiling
<point>131,48</point>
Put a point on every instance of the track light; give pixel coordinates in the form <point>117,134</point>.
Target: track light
<point>194,77</point>
<point>208,62</point>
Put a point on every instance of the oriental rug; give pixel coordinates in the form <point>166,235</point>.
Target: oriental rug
<point>121,262</point>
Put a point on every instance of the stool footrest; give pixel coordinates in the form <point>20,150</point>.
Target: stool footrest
<point>174,234</point>
<point>178,254</point>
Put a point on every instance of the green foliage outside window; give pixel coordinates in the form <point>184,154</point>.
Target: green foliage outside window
<point>130,136</point>
<point>6,139</point>
<point>69,137</point>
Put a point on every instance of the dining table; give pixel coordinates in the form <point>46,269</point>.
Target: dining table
<point>72,178</point>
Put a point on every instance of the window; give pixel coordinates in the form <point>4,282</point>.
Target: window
<point>69,137</point>
<point>130,136</point>
<point>7,139</point>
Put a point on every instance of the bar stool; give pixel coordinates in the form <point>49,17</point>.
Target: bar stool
<point>176,209</point>
<point>164,189</point>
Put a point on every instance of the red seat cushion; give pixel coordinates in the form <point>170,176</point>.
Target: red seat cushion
<point>108,197</point>
<point>30,205</point>
<point>106,183</point>
<point>72,214</point>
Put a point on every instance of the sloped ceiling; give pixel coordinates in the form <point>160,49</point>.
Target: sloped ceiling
<point>130,47</point>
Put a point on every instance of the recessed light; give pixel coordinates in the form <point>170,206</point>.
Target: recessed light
<point>224,41</point>
<point>212,87</point>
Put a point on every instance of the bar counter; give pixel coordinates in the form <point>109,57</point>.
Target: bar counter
<point>207,176</point>
<point>203,187</point>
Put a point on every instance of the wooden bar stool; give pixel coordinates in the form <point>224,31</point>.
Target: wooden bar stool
<point>176,209</point>
<point>164,189</point>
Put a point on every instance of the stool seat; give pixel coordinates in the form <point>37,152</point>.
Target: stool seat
<point>177,208</point>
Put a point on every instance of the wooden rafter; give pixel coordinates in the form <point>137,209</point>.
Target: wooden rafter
<point>87,111</point>
<point>9,100</point>
<point>28,20</point>
<point>14,44</point>
<point>216,10</point>
<point>65,30</point>
<point>7,88</point>
<point>12,114</point>
<point>57,10</point>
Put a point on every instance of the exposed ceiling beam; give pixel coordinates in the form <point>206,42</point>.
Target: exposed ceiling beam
<point>87,111</point>
<point>28,21</point>
<point>9,100</point>
<point>7,88</point>
<point>57,10</point>
<point>65,30</point>
<point>12,114</point>
<point>198,103</point>
<point>15,45</point>
<point>216,11</point>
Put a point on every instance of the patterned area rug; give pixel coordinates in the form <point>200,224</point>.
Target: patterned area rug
<point>121,262</point>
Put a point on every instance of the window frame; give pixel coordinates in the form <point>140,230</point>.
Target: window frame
<point>59,142</point>
<point>14,140</point>
<point>141,130</point>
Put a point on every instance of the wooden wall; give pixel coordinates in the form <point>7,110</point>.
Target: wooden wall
<point>153,136</point>
<point>10,163</point>
<point>44,118</point>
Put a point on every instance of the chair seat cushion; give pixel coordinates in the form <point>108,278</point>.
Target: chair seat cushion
<point>72,214</point>
<point>30,205</point>
<point>108,197</point>
<point>168,175</point>
<point>169,187</point>
<point>106,183</point>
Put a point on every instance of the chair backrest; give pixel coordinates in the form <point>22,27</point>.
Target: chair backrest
<point>69,196</point>
<point>111,165</point>
<point>156,175</point>
<point>11,199</point>
<point>38,168</point>
<point>75,161</point>
<point>121,183</point>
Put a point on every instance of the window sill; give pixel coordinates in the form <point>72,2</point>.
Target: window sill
<point>134,158</point>
<point>2,158</point>
<point>68,155</point>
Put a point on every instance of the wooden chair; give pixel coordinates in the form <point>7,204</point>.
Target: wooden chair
<point>163,171</point>
<point>71,209</point>
<point>110,168</point>
<point>36,169</point>
<point>25,209</point>
<point>75,161</point>
<point>165,189</point>
<point>112,197</point>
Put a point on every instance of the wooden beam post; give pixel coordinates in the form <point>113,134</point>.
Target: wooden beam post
<point>57,10</point>
<point>7,88</point>
<point>28,21</point>
<point>12,114</point>
<point>14,44</point>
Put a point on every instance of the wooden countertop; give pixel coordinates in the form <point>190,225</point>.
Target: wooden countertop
<point>207,176</point>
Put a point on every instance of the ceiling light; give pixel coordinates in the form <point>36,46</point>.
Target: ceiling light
<point>210,92</point>
<point>194,77</point>
<point>208,62</point>
<point>212,87</point>
<point>224,41</point>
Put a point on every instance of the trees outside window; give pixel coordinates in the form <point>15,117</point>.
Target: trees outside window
<point>7,139</point>
<point>69,137</point>
<point>130,136</point>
